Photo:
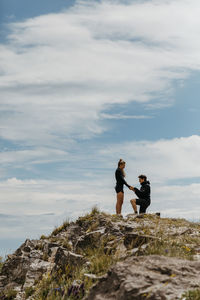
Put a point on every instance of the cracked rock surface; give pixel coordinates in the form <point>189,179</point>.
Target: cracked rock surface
<point>147,277</point>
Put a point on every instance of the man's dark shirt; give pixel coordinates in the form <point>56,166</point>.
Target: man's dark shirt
<point>144,192</point>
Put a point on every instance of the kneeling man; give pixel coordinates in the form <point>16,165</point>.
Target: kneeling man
<point>143,195</point>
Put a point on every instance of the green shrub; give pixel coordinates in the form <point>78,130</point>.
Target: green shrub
<point>169,248</point>
<point>191,295</point>
<point>10,294</point>
<point>95,211</point>
<point>29,291</point>
<point>43,237</point>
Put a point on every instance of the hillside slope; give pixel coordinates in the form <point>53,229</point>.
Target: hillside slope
<point>102,256</point>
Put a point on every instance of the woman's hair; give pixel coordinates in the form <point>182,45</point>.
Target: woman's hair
<point>121,162</point>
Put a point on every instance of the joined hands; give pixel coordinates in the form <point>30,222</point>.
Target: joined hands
<point>131,188</point>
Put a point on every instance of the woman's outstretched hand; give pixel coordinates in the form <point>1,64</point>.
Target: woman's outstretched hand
<point>131,188</point>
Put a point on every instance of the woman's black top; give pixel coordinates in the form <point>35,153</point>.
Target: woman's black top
<point>144,192</point>
<point>120,181</point>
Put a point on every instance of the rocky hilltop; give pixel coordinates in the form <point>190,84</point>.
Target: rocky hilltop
<point>102,256</point>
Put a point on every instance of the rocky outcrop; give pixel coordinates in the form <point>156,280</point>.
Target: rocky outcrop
<point>147,277</point>
<point>130,241</point>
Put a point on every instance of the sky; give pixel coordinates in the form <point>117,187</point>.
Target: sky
<point>83,84</point>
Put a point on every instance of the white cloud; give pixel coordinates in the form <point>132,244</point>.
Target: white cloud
<point>162,160</point>
<point>121,116</point>
<point>60,71</point>
<point>31,208</point>
<point>33,156</point>
<point>179,201</point>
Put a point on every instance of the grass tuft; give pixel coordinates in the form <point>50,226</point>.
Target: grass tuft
<point>1,263</point>
<point>95,211</point>
<point>29,291</point>
<point>10,294</point>
<point>57,230</point>
<point>191,295</point>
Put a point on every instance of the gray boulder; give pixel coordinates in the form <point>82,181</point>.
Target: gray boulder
<point>91,239</point>
<point>147,277</point>
<point>64,259</point>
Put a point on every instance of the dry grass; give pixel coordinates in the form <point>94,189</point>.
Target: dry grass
<point>1,263</point>
<point>56,286</point>
<point>61,228</point>
<point>191,295</point>
<point>168,241</point>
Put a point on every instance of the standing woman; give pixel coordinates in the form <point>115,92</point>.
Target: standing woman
<point>120,181</point>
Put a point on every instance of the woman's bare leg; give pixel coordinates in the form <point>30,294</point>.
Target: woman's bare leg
<point>120,199</point>
<point>133,203</point>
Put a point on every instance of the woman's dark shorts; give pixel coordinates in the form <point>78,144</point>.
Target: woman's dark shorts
<point>143,204</point>
<point>119,189</point>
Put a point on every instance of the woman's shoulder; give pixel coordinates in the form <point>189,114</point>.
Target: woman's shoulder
<point>118,172</point>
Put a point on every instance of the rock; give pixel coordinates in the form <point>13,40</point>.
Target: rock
<point>35,272</point>
<point>92,276</point>
<point>131,216</point>
<point>147,277</point>
<point>27,246</point>
<point>64,258</point>
<point>196,257</point>
<point>129,227</point>
<point>115,228</point>
<point>140,250</point>
<point>15,269</point>
<point>48,248</point>
<point>134,240</point>
<point>20,296</point>
<point>91,239</point>
<point>3,280</point>
<point>121,250</point>
<point>36,254</point>
<point>182,231</point>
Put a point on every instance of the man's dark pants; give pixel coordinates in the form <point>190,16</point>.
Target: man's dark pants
<point>143,205</point>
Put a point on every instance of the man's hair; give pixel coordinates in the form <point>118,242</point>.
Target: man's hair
<point>143,177</point>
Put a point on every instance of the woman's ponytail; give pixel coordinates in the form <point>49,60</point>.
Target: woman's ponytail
<point>121,162</point>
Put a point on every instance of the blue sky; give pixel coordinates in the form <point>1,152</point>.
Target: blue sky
<point>84,83</point>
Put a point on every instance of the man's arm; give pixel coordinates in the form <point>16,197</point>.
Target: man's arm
<point>144,193</point>
<point>138,192</point>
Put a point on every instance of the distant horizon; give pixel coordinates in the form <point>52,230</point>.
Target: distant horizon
<point>83,84</point>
